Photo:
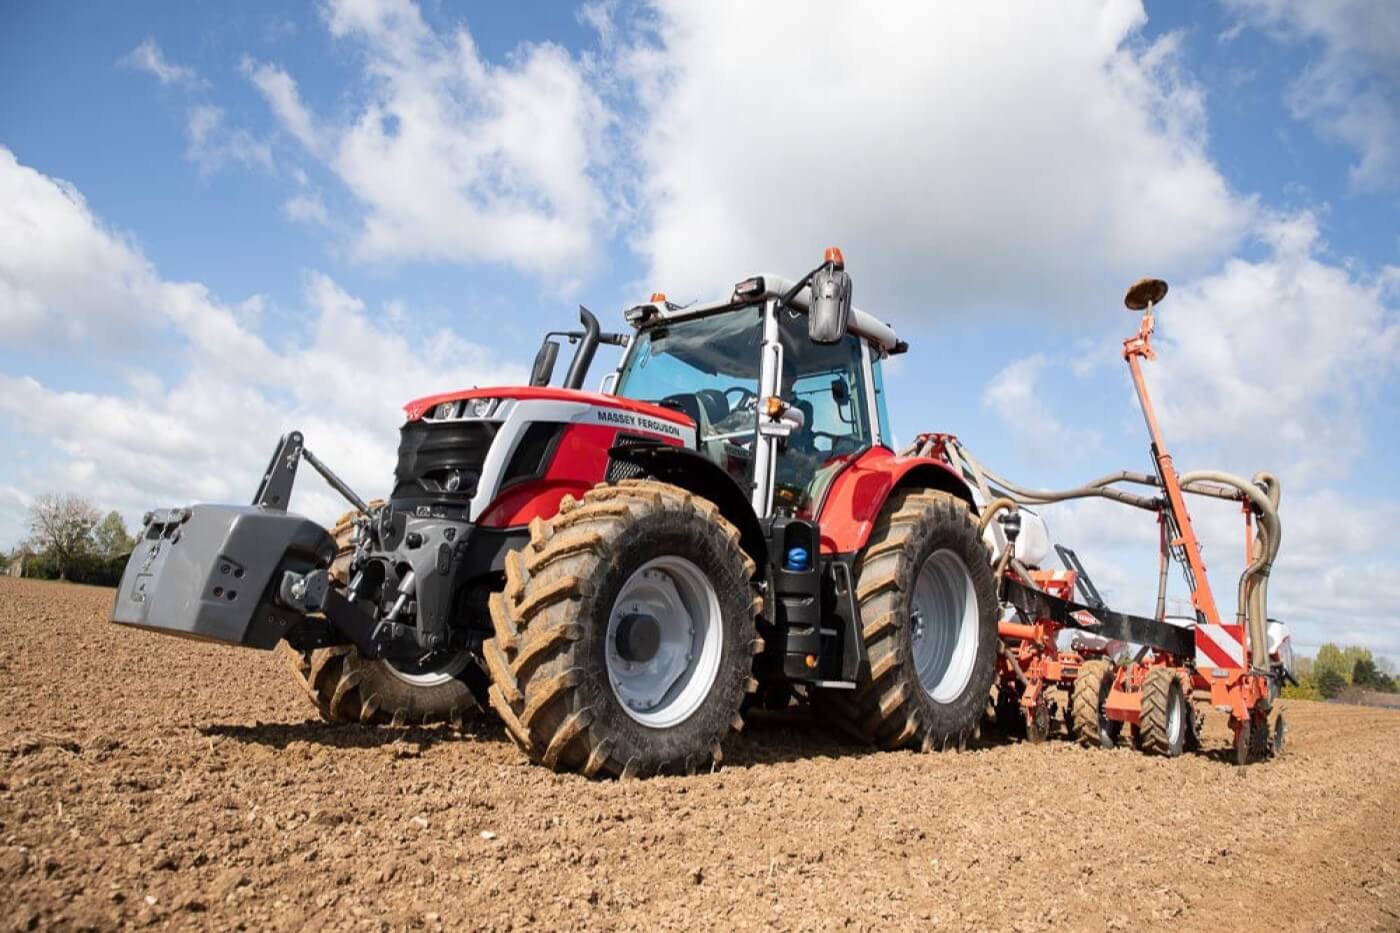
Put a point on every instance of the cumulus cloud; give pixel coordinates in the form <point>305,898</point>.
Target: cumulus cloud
<point>148,57</point>
<point>454,157</point>
<point>206,436</point>
<point>1350,88</point>
<point>64,276</point>
<point>968,158</point>
<point>1269,363</point>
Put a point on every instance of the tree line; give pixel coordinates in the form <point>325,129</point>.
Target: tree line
<point>1338,671</point>
<point>70,539</point>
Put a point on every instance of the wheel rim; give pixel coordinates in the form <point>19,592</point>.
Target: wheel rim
<point>664,641</point>
<point>1174,717</point>
<point>945,616</point>
<point>439,668</point>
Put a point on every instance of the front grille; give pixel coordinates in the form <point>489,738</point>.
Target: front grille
<point>436,456</point>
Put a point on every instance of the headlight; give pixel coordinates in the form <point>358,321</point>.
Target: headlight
<point>482,407</point>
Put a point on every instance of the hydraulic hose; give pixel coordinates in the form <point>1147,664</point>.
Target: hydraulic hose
<point>1262,494</point>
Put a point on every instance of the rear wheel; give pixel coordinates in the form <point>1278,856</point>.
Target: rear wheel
<point>625,636</point>
<point>1165,714</point>
<point>928,615</point>
<point>344,687</point>
<point>1091,726</point>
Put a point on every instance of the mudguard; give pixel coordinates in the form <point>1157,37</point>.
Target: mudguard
<point>212,571</point>
<point>858,494</point>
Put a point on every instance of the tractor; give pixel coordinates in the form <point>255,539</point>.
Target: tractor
<point>622,575</point>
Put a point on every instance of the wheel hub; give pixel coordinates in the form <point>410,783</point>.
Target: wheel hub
<point>663,641</point>
<point>638,637</point>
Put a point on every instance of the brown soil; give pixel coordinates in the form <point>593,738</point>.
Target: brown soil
<point>145,779</point>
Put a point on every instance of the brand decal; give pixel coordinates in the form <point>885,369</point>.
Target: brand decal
<point>626,419</point>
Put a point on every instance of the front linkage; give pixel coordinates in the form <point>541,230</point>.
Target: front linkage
<point>254,575</point>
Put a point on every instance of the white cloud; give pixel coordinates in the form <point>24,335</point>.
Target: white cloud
<point>1350,88</point>
<point>64,277</point>
<point>212,144</point>
<point>1274,361</point>
<point>967,157</point>
<point>280,91</point>
<point>454,157</point>
<point>148,57</point>
<point>1013,395</point>
<point>1266,364</point>
<point>306,208</point>
<point>341,379</point>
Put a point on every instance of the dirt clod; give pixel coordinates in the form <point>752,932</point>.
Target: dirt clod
<point>199,790</point>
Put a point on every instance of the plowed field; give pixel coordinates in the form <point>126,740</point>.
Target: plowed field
<point>148,780</point>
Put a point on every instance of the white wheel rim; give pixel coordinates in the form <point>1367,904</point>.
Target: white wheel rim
<point>1174,716</point>
<point>676,602</point>
<point>447,671</point>
<point>945,626</point>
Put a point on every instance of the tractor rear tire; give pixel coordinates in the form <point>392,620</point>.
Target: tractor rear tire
<point>625,635</point>
<point>1166,714</point>
<point>1091,728</point>
<point>345,688</point>
<point>928,611</point>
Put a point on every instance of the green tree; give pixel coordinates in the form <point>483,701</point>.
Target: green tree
<point>1330,658</point>
<point>1329,682</point>
<point>1353,655</point>
<point>60,527</point>
<point>110,539</point>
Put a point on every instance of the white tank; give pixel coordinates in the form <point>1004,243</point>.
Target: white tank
<point>1280,643</point>
<point>1033,545</point>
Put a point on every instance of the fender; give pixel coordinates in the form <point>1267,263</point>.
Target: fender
<point>859,492</point>
<point>691,470</point>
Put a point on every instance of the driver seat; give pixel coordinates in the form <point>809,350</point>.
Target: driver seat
<point>704,408</point>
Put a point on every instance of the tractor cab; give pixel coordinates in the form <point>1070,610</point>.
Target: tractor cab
<point>778,409</point>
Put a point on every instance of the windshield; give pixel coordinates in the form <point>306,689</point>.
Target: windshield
<point>707,368</point>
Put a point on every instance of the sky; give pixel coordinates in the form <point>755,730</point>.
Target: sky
<point>220,222</point>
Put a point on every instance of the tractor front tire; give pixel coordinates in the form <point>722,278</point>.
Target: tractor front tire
<point>928,614</point>
<point>346,688</point>
<point>625,635</point>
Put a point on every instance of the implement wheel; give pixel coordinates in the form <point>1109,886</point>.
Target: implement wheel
<point>928,615</point>
<point>625,636</point>
<point>344,687</point>
<point>1091,726</point>
<point>1166,714</point>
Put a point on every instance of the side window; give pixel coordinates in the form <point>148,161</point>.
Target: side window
<point>880,409</point>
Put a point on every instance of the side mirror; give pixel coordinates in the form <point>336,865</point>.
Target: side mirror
<point>830,310</point>
<point>543,370</point>
<point>840,392</point>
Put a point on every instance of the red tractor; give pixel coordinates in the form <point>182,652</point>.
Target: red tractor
<point>621,574</point>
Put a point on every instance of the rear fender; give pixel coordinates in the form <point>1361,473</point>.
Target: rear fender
<point>859,493</point>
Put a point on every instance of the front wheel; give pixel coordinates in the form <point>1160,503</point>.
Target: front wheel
<point>625,636</point>
<point>928,615</point>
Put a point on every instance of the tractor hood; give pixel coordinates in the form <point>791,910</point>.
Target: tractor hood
<point>418,408</point>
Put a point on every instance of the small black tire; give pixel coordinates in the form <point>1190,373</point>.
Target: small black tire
<point>549,658</point>
<point>891,706</point>
<point>1091,727</point>
<point>346,688</point>
<point>1165,714</point>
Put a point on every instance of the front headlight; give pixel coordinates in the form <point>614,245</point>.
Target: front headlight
<point>482,407</point>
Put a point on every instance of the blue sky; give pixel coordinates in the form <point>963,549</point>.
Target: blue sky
<point>220,221</point>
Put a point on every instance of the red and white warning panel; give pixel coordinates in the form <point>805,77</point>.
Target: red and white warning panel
<point>1220,646</point>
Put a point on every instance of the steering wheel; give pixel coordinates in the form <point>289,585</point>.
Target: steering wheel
<point>746,395</point>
